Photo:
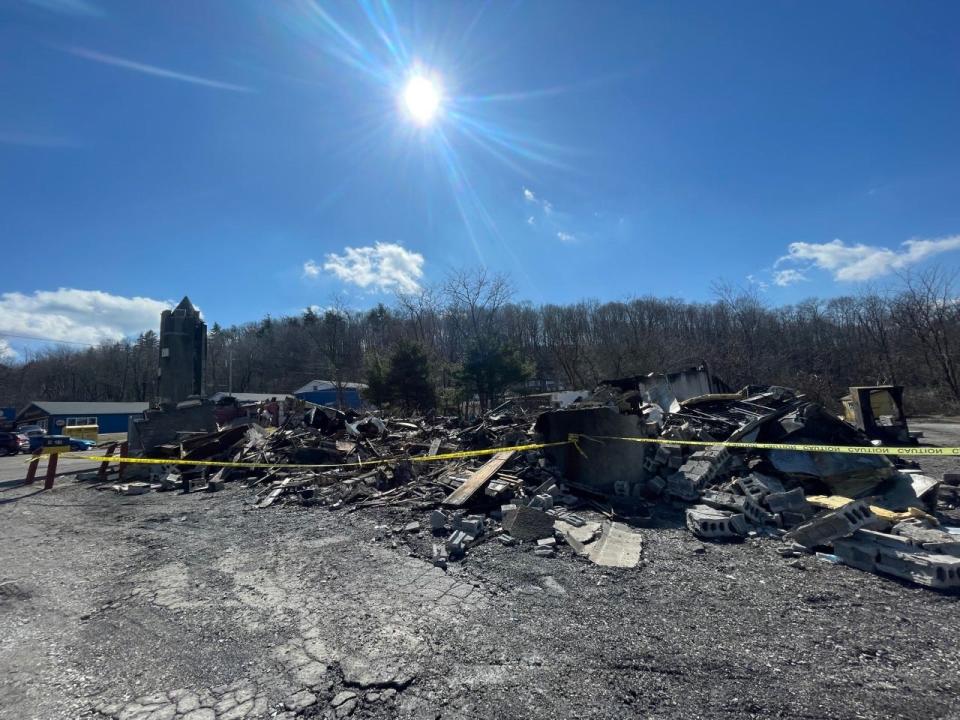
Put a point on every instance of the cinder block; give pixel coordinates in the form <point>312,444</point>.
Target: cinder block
<point>794,501</point>
<point>542,502</point>
<point>655,485</point>
<point>723,500</point>
<point>707,522</point>
<point>830,526</point>
<point>755,513</point>
<point>472,525</point>
<point>883,553</point>
<point>438,520</point>
<point>680,486</point>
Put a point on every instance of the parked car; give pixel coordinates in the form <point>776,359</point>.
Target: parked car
<point>35,434</point>
<point>81,444</point>
<point>13,443</point>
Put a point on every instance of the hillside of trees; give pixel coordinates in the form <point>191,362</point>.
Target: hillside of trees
<point>468,338</point>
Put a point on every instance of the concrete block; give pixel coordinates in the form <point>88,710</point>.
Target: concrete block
<point>439,555</point>
<point>542,502</point>
<point>707,522</point>
<point>412,527</point>
<point>439,520</point>
<point>547,542</point>
<point>525,523</point>
<point>655,485</point>
<point>927,538</point>
<point>790,518</point>
<point>507,540</point>
<point>457,542</point>
<point>755,513</point>
<point>876,552</point>
<point>720,500</point>
<point>794,501</point>
<point>215,485</point>
<point>472,525</point>
<point>543,551</point>
<point>549,488</point>
<point>830,526</point>
<point>680,486</point>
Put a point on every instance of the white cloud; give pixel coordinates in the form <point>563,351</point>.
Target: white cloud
<point>7,353</point>
<point>760,284</point>
<point>385,266</point>
<point>787,277</point>
<point>865,262</point>
<point>566,237</point>
<point>153,69</point>
<point>529,196</point>
<point>311,269</point>
<point>547,207</point>
<point>531,221</point>
<point>84,316</point>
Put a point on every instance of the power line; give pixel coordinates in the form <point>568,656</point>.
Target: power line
<point>45,339</point>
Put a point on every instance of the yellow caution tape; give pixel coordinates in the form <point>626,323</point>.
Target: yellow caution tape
<point>572,439</point>
<point>378,461</point>
<point>843,449</point>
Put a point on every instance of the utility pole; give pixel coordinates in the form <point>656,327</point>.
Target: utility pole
<point>230,372</point>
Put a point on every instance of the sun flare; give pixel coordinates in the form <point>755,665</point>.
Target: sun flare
<point>422,99</point>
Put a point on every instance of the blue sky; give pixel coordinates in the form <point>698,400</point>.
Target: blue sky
<point>259,156</point>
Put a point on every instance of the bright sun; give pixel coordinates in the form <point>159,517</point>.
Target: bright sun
<point>421,98</point>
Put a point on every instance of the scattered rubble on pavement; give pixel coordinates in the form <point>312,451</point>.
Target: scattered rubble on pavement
<point>873,512</point>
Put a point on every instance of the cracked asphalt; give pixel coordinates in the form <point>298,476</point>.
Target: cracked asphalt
<point>198,607</point>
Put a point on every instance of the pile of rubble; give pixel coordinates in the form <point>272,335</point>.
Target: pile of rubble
<point>629,460</point>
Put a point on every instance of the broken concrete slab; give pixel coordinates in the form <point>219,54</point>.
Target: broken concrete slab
<point>618,546</point>
<point>578,537</point>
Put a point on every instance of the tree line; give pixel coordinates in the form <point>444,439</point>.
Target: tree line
<point>467,341</point>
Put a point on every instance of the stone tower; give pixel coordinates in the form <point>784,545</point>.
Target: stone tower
<point>183,353</point>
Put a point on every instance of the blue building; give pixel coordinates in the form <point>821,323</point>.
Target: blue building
<point>325,392</point>
<point>58,417</point>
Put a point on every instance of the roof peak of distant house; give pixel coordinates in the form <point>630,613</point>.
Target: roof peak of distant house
<point>318,385</point>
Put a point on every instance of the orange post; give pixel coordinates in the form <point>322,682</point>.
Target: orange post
<point>32,469</point>
<point>51,471</point>
<point>102,472</point>
<point>124,447</point>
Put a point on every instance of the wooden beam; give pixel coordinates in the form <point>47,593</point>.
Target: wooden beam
<point>478,479</point>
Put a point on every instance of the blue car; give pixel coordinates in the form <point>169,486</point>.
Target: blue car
<point>76,444</point>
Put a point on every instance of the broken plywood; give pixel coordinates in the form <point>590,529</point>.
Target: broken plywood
<point>478,479</point>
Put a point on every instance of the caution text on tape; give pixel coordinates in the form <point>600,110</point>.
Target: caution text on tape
<point>798,447</point>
